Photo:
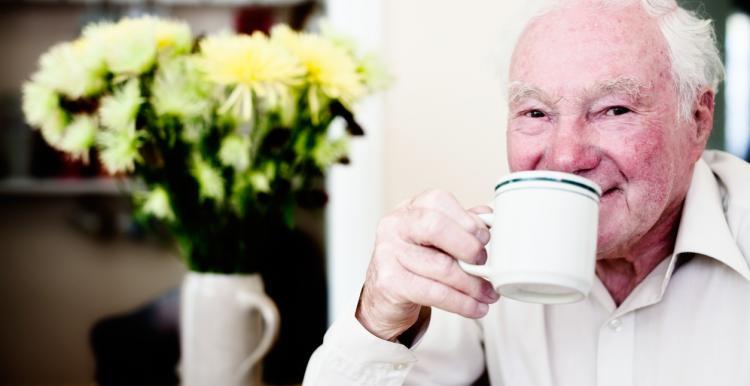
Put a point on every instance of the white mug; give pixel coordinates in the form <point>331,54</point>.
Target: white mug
<point>543,237</point>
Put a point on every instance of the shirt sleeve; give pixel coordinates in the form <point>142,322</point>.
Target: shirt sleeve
<point>448,353</point>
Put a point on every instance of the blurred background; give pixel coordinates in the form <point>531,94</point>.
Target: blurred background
<point>72,256</point>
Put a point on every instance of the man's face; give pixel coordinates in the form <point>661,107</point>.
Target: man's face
<point>592,94</point>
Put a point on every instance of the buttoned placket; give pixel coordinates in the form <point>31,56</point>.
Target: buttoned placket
<point>616,345</point>
<point>616,351</point>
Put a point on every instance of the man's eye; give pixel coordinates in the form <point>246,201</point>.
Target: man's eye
<point>535,114</point>
<point>617,110</point>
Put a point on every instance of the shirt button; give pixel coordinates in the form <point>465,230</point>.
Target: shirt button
<point>615,325</point>
<point>399,366</point>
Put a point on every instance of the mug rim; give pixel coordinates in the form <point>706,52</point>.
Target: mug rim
<point>550,176</point>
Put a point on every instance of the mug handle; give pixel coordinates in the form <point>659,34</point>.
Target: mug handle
<point>479,270</point>
<point>270,315</point>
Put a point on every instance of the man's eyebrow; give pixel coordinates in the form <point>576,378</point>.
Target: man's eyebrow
<point>518,91</point>
<point>631,87</point>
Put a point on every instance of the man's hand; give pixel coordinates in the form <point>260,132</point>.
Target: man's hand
<point>414,264</point>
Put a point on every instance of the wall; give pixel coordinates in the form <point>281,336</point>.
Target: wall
<point>57,281</point>
<point>442,121</point>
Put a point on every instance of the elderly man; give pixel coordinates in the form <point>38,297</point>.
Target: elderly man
<point>621,92</point>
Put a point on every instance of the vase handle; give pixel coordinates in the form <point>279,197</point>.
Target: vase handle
<point>270,315</point>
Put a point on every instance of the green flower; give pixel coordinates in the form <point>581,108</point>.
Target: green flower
<point>118,111</point>
<point>260,182</point>
<point>210,182</point>
<point>79,137</point>
<point>235,152</point>
<point>373,72</point>
<point>157,203</point>
<point>41,107</point>
<point>75,69</point>
<point>193,130</point>
<point>261,179</point>
<point>326,151</point>
<point>178,90</point>
<point>119,149</point>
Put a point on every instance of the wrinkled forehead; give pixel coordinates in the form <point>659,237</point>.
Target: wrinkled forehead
<point>579,45</point>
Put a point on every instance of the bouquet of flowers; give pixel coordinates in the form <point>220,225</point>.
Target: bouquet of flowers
<point>228,133</point>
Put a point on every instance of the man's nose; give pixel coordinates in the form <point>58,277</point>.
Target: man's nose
<point>572,148</point>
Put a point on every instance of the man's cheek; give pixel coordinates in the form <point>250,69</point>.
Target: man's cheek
<point>639,152</point>
<point>524,152</point>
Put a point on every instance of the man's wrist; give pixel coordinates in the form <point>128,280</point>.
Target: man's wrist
<point>366,315</point>
<point>409,337</point>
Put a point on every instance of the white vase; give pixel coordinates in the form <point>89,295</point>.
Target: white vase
<point>228,324</point>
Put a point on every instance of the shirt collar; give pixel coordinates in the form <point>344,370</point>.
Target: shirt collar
<point>703,226</point>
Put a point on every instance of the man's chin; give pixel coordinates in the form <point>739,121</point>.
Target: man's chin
<point>609,240</point>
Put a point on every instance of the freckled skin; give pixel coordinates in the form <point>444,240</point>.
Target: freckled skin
<point>643,159</point>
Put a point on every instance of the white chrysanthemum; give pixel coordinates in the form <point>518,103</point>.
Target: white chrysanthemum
<point>129,48</point>
<point>119,111</point>
<point>235,152</point>
<point>157,203</point>
<point>41,107</point>
<point>178,90</point>
<point>80,135</point>
<point>75,69</point>
<point>119,149</point>
<point>210,181</point>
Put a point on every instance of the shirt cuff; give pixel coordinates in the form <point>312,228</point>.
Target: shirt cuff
<point>366,359</point>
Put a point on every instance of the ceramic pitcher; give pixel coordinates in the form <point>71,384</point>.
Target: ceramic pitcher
<point>228,324</point>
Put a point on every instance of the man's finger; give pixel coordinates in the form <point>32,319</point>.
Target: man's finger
<point>447,204</point>
<point>481,209</point>
<point>428,292</point>
<point>432,228</point>
<point>436,265</point>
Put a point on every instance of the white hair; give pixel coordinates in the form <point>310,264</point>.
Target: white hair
<point>691,41</point>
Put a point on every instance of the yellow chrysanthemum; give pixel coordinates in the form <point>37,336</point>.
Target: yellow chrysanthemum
<point>171,35</point>
<point>330,67</point>
<point>252,65</point>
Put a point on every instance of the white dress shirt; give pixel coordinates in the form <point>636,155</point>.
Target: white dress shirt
<point>687,323</point>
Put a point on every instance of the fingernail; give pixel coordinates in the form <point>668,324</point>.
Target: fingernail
<point>483,235</point>
<point>490,293</point>
<point>482,257</point>
<point>482,309</point>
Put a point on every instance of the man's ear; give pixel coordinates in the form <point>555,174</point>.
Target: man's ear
<point>703,117</point>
